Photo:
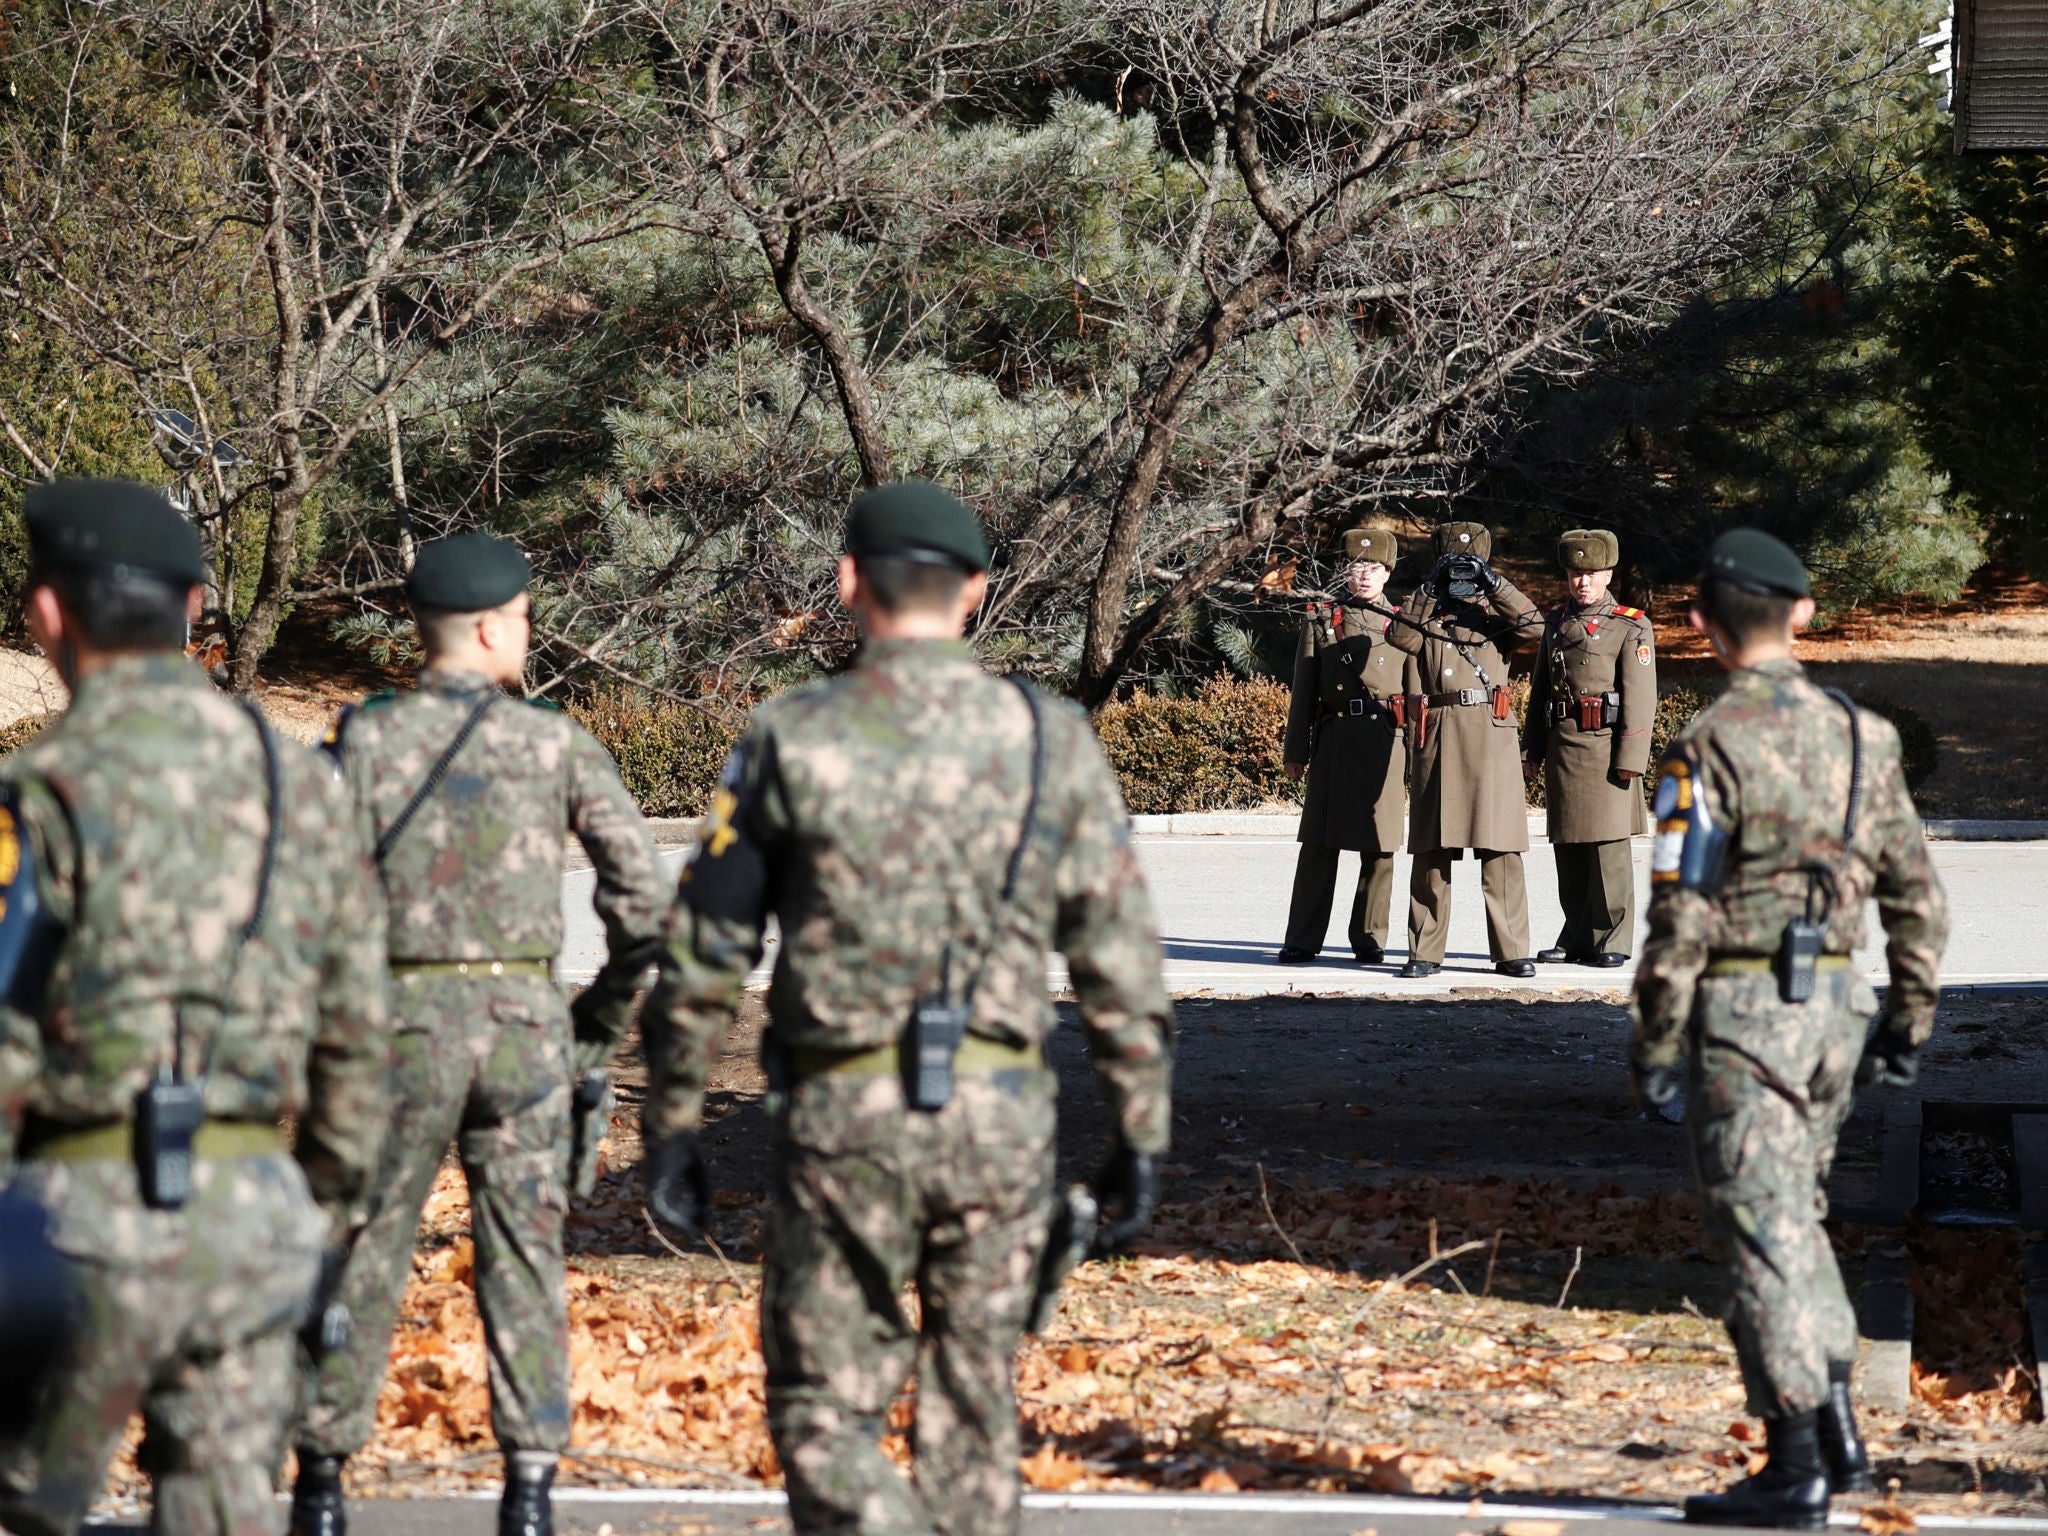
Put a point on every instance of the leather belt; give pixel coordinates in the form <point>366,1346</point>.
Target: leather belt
<point>472,968</point>
<point>975,1055</point>
<point>1456,697</point>
<point>1743,965</point>
<point>115,1142</point>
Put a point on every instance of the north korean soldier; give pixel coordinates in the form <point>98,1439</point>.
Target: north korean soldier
<point>1780,811</point>
<point>193,952</point>
<point>1591,705</point>
<point>1343,732</point>
<point>469,796</point>
<point>924,833</point>
<point>1464,770</point>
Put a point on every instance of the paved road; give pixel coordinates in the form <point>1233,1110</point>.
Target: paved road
<point>693,1512</point>
<point>1223,902</point>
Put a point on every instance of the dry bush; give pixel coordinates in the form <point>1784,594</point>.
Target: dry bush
<point>1216,751</point>
<point>668,754</point>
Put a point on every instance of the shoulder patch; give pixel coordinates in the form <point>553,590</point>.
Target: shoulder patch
<point>380,698</point>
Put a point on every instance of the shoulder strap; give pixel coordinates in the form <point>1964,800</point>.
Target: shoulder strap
<point>1030,825</point>
<point>273,840</point>
<point>1025,832</point>
<point>1855,767</point>
<point>273,835</point>
<point>434,777</point>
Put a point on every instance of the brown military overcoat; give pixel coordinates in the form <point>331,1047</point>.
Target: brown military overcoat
<point>1464,766</point>
<point>1340,721</point>
<point>1606,648</point>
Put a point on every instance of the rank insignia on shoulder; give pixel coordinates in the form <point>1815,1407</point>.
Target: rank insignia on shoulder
<point>547,704</point>
<point>1627,612</point>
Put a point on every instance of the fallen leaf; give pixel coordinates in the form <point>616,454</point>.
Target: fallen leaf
<point>1888,1520</point>
<point>1742,1429</point>
<point>1216,1480</point>
<point>1051,1469</point>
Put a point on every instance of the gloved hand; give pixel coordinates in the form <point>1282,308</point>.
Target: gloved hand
<point>1654,1087</point>
<point>678,1184</point>
<point>1489,579</point>
<point>597,1018</point>
<point>1890,1058</point>
<point>1127,1190</point>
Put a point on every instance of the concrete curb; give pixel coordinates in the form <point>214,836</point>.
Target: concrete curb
<point>677,831</point>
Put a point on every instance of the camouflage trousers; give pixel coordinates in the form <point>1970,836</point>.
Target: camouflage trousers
<point>482,1062</point>
<point>188,1315</point>
<point>869,1196</point>
<point>1770,1088</point>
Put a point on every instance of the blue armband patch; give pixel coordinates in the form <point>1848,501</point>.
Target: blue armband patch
<point>1689,849</point>
<point>29,933</point>
<point>727,877</point>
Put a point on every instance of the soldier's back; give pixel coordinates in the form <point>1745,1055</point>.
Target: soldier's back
<point>164,787</point>
<point>475,873</point>
<point>902,788</point>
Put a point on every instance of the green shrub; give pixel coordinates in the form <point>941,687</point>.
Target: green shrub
<point>1216,751</point>
<point>668,754</point>
<point>18,735</point>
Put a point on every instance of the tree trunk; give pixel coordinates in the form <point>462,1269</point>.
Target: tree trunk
<point>1112,583</point>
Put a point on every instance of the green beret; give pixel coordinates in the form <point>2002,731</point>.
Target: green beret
<point>1371,544</point>
<point>1588,549</point>
<point>467,574</point>
<point>111,525</point>
<point>1751,559</point>
<point>1463,539</point>
<point>915,520</point>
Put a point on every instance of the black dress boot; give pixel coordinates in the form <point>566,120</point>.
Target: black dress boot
<point>527,1509</point>
<point>317,1505</point>
<point>1789,1494</point>
<point>1840,1446</point>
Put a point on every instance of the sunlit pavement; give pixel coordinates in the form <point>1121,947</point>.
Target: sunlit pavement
<point>1223,904</point>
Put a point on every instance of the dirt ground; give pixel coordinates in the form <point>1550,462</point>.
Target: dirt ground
<point>1972,669</point>
<point>1552,1334</point>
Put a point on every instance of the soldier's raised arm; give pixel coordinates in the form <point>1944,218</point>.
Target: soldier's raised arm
<point>1520,621</point>
<point>1405,632</point>
<point>632,899</point>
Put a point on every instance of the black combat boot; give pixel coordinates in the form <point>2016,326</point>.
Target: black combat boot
<point>1790,1494</point>
<point>1840,1446</point>
<point>526,1509</point>
<point>317,1505</point>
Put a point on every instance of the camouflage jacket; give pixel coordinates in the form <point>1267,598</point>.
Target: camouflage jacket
<point>875,816</point>
<point>145,810</point>
<point>477,873</point>
<point>1770,760</point>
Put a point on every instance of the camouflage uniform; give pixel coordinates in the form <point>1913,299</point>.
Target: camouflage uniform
<point>1770,1080</point>
<point>484,1055</point>
<point>145,808</point>
<point>877,814</point>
